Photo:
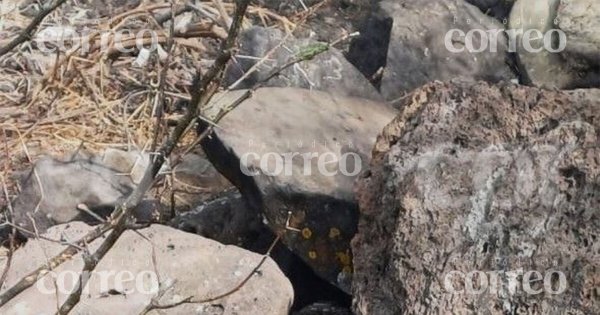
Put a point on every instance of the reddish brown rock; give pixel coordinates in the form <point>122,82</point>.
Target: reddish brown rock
<point>478,178</point>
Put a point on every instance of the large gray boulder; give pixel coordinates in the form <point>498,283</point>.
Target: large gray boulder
<point>329,71</point>
<point>481,182</point>
<point>294,155</point>
<point>418,53</point>
<point>569,62</point>
<point>580,20</point>
<point>128,278</point>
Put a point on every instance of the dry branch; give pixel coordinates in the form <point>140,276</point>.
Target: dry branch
<point>203,88</point>
<point>202,91</point>
<point>190,299</point>
<point>28,31</point>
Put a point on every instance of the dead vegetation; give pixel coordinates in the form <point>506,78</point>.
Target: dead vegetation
<point>71,100</point>
<point>91,96</point>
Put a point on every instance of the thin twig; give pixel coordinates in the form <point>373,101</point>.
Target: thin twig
<point>37,237</point>
<point>202,91</point>
<point>191,300</point>
<point>28,31</point>
<point>160,95</point>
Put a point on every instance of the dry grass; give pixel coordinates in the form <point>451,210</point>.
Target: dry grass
<point>60,103</point>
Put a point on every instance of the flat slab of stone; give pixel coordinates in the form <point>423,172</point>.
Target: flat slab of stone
<point>129,277</point>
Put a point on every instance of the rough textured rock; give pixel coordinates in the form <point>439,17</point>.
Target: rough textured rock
<point>189,264</point>
<point>472,177</point>
<point>580,20</point>
<point>417,53</point>
<point>329,71</point>
<point>312,208</point>
<point>545,68</point>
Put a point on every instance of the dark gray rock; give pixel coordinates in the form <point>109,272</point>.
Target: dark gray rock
<point>417,53</point>
<point>496,8</point>
<point>312,208</point>
<point>473,177</point>
<point>368,52</point>
<point>329,71</point>
<point>226,219</point>
<point>58,189</point>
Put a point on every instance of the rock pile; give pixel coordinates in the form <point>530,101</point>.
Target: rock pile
<point>406,170</point>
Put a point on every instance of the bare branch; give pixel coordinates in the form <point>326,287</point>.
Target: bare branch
<point>202,91</point>
<point>28,31</point>
<point>160,95</point>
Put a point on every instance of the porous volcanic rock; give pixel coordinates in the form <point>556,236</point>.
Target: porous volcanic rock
<point>472,177</point>
<point>313,208</point>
